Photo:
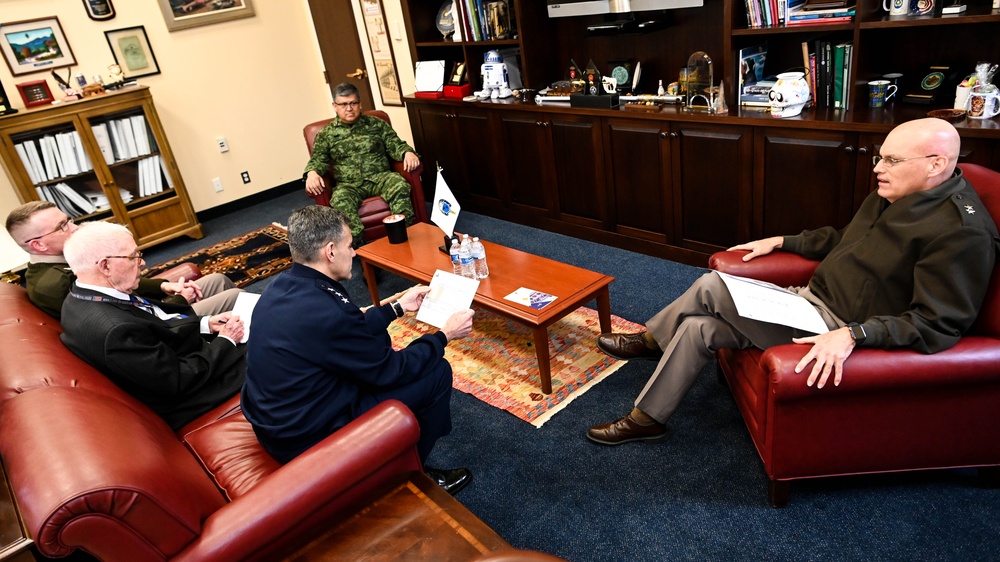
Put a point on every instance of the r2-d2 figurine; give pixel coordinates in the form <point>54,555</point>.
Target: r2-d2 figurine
<point>494,72</point>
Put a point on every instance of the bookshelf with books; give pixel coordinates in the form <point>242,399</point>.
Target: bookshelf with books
<point>513,27</point>
<point>100,158</point>
<point>874,42</point>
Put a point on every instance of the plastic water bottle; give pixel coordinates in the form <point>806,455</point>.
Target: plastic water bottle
<point>479,259</point>
<point>465,257</point>
<point>456,261</point>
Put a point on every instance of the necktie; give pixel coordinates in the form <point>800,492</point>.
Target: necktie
<point>141,304</point>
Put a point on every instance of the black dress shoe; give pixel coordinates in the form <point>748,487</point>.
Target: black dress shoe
<point>452,480</point>
<point>627,346</point>
<point>627,430</point>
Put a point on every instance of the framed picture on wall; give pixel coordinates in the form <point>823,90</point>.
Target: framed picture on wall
<point>385,63</point>
<point>132,52</point>
<point>35,46</point>
<point>182,14</point>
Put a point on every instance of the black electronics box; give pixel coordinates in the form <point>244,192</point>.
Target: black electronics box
<point>606,101</point>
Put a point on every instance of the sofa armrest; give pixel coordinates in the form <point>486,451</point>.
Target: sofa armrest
<point>187,270</point>
<point>368,454</point>
<point>784,269</point>
<point>974,360</point>
<point>416,189</point>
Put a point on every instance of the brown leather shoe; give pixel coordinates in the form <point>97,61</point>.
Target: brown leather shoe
<point>627,346</point>
<point>626,430</point>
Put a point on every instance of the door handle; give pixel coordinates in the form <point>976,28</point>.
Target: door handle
<point>358,74</point>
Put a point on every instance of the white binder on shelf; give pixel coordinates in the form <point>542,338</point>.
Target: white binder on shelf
<point>23,154</point>
<point>104,142</point>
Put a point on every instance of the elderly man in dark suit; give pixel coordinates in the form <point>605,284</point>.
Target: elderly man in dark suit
<point>163,354</point>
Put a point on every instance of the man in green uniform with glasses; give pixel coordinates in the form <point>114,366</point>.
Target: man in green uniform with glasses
<point>358,148</point>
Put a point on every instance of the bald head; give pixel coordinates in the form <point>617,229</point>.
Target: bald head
<point>916,156</point>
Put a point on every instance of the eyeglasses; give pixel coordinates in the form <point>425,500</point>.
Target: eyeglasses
<point>61,227</point>
<point>137,255</point>
<point>347,104</point>
<point>890,161</point>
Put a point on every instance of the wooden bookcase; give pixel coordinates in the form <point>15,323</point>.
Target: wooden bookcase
<point>529,36</point>
<point>134,170</point>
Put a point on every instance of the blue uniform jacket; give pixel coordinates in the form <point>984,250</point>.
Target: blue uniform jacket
<point>313,354</point>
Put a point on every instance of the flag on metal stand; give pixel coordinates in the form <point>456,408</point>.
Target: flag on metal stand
<point>446,207</point>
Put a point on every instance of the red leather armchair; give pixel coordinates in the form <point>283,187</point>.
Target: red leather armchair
<point>373,209</point>
<point>895,410</point>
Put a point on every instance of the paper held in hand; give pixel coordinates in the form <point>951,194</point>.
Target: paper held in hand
<point>244,309</point>
<point>767,302</point>
<point>449,294</point>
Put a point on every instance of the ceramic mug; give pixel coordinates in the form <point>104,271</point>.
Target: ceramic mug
<point>879,91</point>
<point>896,7</point>
<point>983,105</point>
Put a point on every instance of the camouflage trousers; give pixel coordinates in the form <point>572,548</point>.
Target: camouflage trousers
<point>388,185</point>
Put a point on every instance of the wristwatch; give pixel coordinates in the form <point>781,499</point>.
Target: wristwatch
<point>858,333</point>
<point>398,308</point>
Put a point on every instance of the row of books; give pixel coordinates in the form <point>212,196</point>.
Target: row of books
<point>124,138</point>
<point>76,203</point>
<point>150,178</point>
<point>830,72</point>
<point>777,13</point>
<point>54,156</point>
<point>484,20</point>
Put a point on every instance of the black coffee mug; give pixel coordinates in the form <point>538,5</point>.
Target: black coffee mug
<point>395,228</point>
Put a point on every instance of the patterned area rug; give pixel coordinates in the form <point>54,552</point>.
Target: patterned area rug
<point>497,362</point>
<point>244,259</point>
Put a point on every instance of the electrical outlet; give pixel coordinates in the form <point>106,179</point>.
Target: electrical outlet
<point>246,177</point>
<point>223,144</point>
<point>217,184</point>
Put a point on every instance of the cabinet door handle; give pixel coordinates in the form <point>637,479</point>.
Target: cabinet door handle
<point>849,149</point>
<point>862,151</point>
<point>664,134</point>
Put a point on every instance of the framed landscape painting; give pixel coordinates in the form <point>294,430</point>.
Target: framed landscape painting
<point>182,14</point>
<point>34,46</point>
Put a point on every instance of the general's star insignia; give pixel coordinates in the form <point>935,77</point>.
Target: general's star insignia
<point>970,210</point>
<point>345,299</point>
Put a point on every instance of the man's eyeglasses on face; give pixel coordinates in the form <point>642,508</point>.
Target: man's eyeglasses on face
<point>61,227</point>
<point>137,255</point>
<point>890,161</point>
<point>346,104</point>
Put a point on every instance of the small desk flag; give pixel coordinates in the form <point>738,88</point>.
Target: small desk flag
<point>446,207</point>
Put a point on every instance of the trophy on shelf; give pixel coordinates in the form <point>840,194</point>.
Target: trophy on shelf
<point>446,20</point>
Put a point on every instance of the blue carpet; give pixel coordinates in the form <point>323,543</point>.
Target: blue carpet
<point>702,495</point>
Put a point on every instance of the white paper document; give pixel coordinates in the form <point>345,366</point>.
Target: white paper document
<point>244,309</point>
<point>767,302</point>
<point>449,294</point>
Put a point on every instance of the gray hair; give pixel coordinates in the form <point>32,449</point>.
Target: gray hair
<point>92,242</point>
<point>345,89</point>
<point>310,228</point>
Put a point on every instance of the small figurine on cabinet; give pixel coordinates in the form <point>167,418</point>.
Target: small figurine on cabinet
<point>494,72</point>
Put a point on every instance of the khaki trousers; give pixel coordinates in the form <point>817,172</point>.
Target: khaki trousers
<point>218,295</point>
<point>691,329</point>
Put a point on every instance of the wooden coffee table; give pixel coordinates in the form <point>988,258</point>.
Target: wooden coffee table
<point>418,258</point>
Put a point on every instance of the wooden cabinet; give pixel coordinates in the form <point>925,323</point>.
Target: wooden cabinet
<point>553,166</point>
<point>101,158</point>
<point>460,140</point>
<point>805,179</point>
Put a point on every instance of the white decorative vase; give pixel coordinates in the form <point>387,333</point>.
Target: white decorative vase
<point>789,94</point>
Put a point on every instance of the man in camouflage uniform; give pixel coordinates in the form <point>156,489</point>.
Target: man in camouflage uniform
<point>358,147</point>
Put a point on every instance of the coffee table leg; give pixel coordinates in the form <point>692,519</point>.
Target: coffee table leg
<point>604,309</point>
<point>542,353</point>
<point>369,271</point>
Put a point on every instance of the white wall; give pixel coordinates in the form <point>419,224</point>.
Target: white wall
<point>256,81</point>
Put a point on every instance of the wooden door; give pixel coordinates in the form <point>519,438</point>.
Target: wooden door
<point>340,46</point>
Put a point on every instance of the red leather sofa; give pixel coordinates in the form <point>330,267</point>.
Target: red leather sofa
<point>373,209</point>
<point>94,469</point>
<point>895,410</point>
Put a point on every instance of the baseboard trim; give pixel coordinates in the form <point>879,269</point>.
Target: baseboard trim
<point>250,200</point>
